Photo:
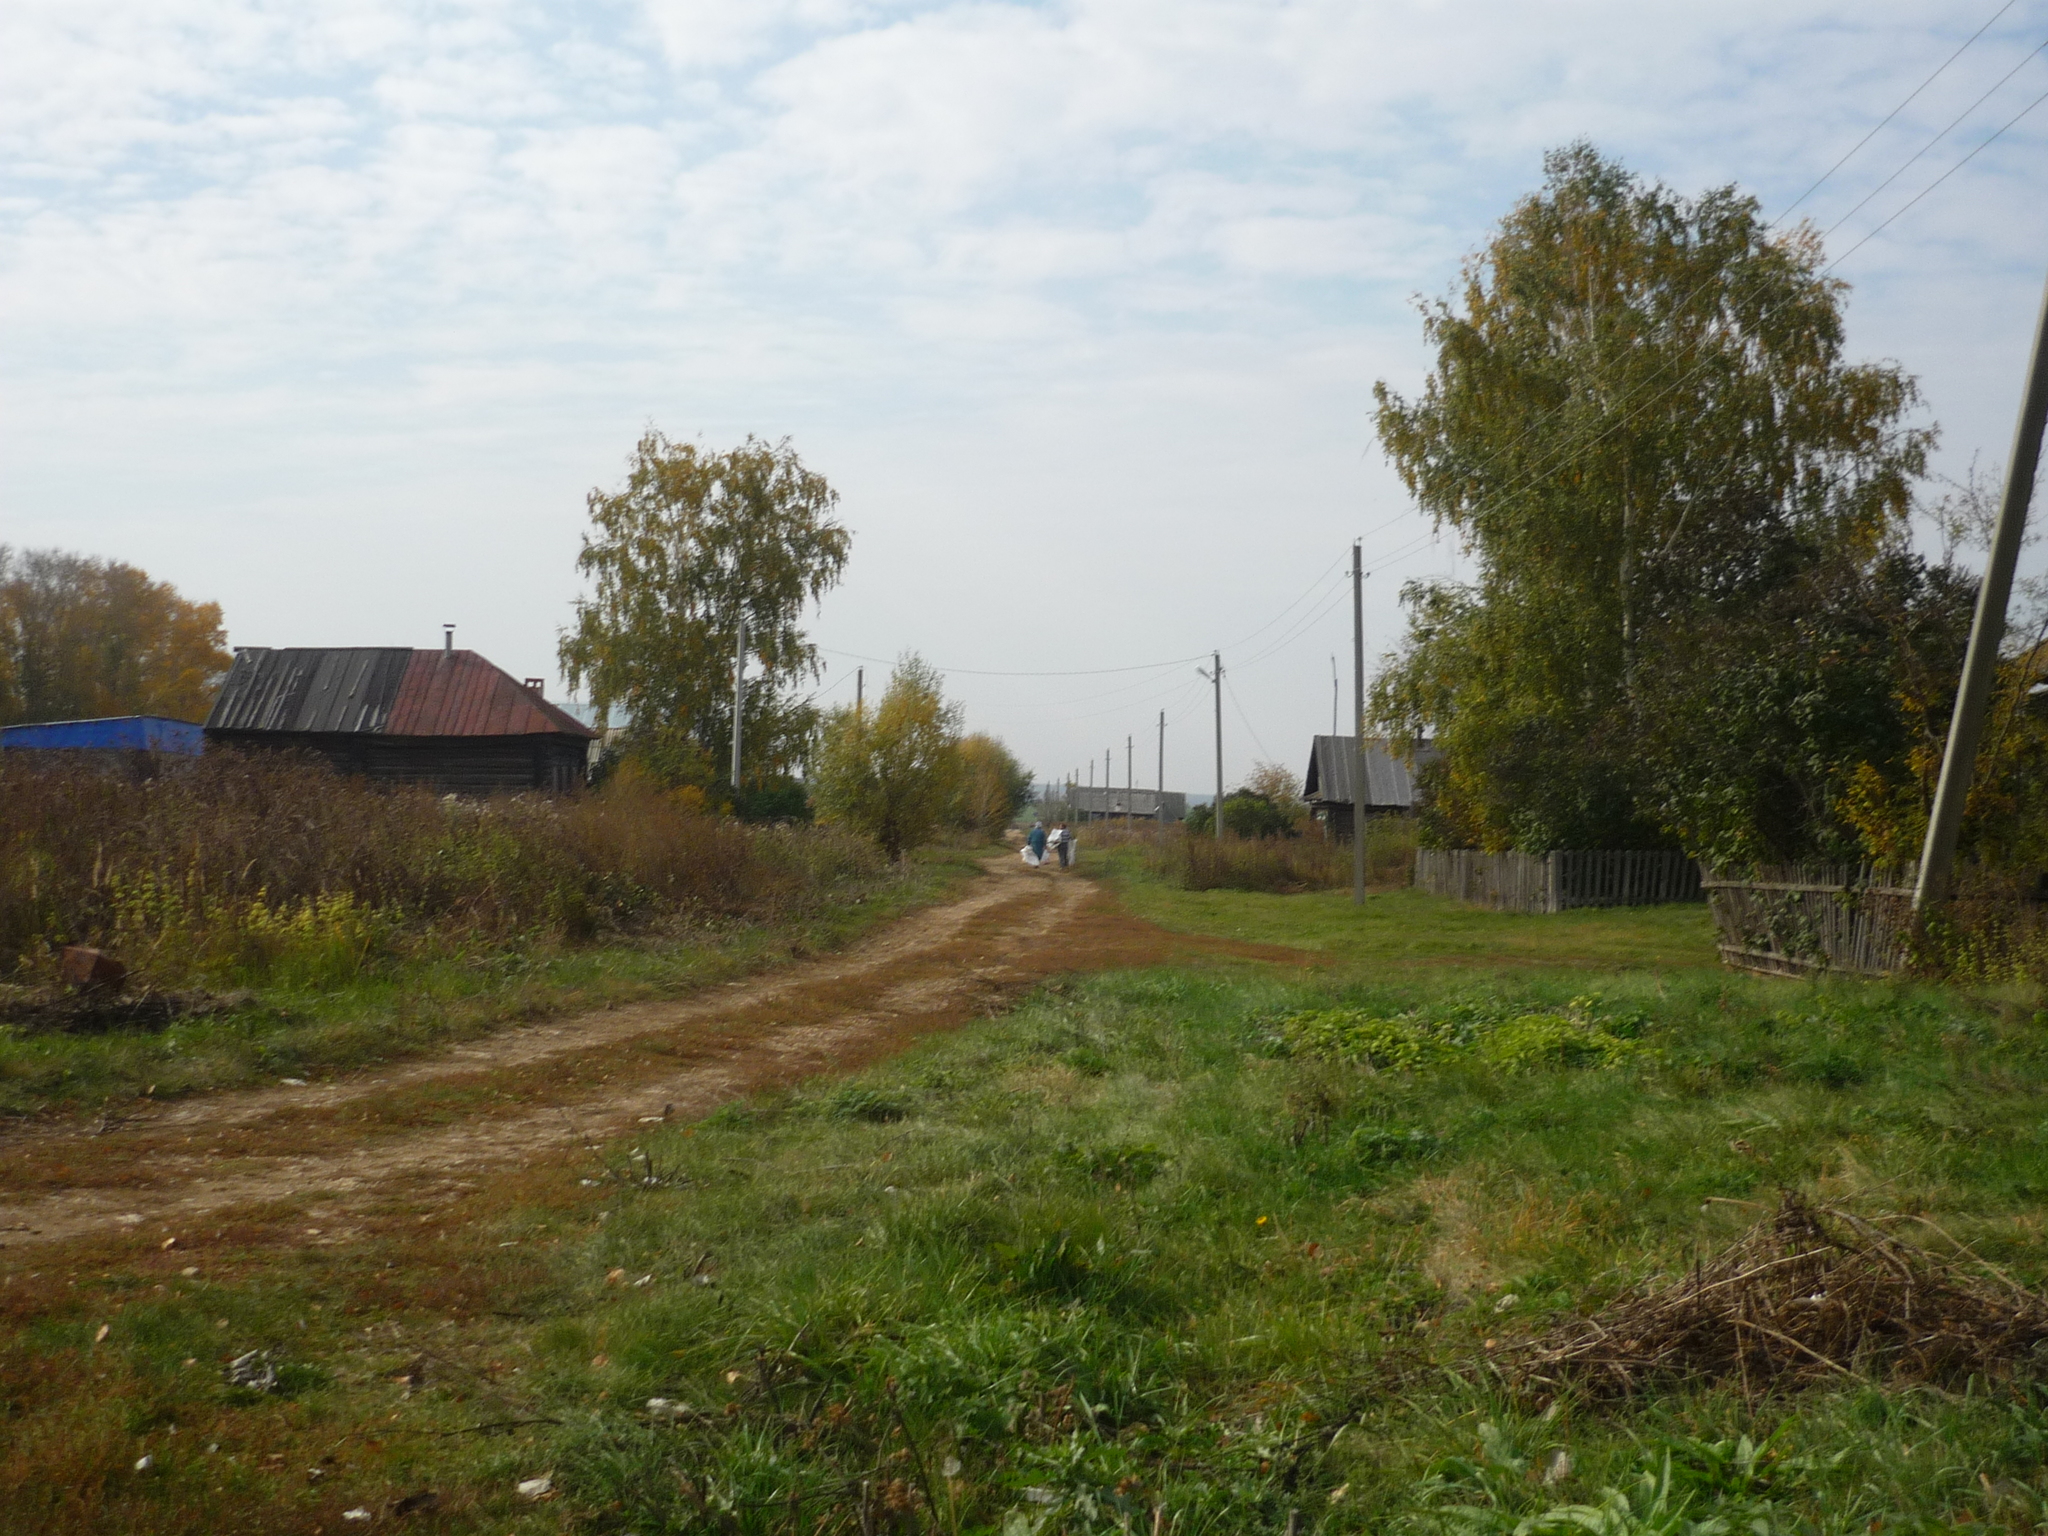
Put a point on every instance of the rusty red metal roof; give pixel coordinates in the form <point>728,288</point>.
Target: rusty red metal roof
<point>386,691</point>
<point>458,693</point>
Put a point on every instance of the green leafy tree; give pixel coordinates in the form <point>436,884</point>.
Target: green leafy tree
<point>1810,726</point>
<point>993,785</point>
<point>83,638</point>
<point>1246,813</point>
<point>1640,424</point>
<point>694,540</point>
<point>892,771</point>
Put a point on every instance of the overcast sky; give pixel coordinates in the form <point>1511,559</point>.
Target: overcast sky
<point>333,312</point>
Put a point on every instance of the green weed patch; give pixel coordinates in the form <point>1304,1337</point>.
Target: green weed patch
<point>1502,1036</point>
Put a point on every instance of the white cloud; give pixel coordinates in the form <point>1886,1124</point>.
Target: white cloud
<point>1095,288</point>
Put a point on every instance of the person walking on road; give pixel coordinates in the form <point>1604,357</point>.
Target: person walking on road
<point>1063,843</point>
<point>1034,845</point>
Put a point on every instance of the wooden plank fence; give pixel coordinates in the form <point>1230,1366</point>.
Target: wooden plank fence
<point>1558,881</point>
<point>1800,919</point>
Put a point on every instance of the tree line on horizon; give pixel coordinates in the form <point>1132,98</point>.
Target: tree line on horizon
<point>695,543</point>
<point>83,638</point>
<point>1698,619</point>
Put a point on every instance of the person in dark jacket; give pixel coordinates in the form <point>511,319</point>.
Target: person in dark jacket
<point>1063,841</point>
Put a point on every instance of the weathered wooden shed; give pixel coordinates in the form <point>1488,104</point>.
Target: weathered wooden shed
<point>1389,784</point>
<point>445,718</point>
<point>1091,804</point>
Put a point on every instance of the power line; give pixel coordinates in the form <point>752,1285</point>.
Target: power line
<point>1306,594</point>
<point>1149,666</point>
<point>1571,450</point>
<point>1624,420</point>
<point>1300,630</point>
<point>1914,158</point>
<point>1911,96</point>
<point>1264,755</point>
<point>1944,176</point>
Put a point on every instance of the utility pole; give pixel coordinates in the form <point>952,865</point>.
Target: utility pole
<point>1987,630</point>
<point>1130,783</point>
<point>1333,695</point>
<point>860,688</point>
<point>1216,681</point>
<point>1357,723</point>
<point>1159,805</point>
<point>739,696</point>
<point>1105,781</point>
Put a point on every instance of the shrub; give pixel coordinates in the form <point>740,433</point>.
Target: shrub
<point>1200,862</point>
<point>268,866</point>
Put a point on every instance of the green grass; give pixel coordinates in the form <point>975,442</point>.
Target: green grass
<point>1409,928</point>
<point>1120,1251</point>
<point>401,1007</point>
<point>1146,1245</point>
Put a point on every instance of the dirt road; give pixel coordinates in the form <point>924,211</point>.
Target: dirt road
<point>429,1131</point>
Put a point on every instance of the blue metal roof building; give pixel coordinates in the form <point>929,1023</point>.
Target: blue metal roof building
<point>118,733</point>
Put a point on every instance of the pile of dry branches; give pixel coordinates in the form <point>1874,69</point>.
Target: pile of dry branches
<point>1808,1293</point>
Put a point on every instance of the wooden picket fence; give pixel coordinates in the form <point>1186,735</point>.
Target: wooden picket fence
<point>1558,881</point>
<point>1800,919</point>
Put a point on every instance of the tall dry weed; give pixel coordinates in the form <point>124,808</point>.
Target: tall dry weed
<point>237,865</point>
<point>1283,865</point>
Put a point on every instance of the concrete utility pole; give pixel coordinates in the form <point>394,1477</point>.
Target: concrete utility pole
<point>1333,696</point>
<point>1130,782</point>
<point>1216,680</point>
<point>1987,630</point>
<point>860,688</point>
<point>1159,805</point>
<point>1358,724</point>
<point>739,696</point>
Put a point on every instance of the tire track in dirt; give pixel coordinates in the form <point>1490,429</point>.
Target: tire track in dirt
<point>431,1130</point>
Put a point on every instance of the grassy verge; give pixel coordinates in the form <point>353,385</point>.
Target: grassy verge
<point>1141,1250</point>
<point>400,1007</point>
<point>1407,928</point>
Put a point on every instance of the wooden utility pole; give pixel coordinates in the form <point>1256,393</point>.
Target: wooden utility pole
<point>739,695</point>
<point>1987,630</point>
<point>1216,680</point>
<point>1357,724</point>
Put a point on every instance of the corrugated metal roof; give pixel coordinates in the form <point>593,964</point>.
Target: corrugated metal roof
<point>1112,801</point>
<point>1388,782</point>
<point>381,690</point>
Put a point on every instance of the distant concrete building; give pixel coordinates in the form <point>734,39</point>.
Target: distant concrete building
<point>1389,783</point>
<point>1091,804</point>
<point>444,718</point>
